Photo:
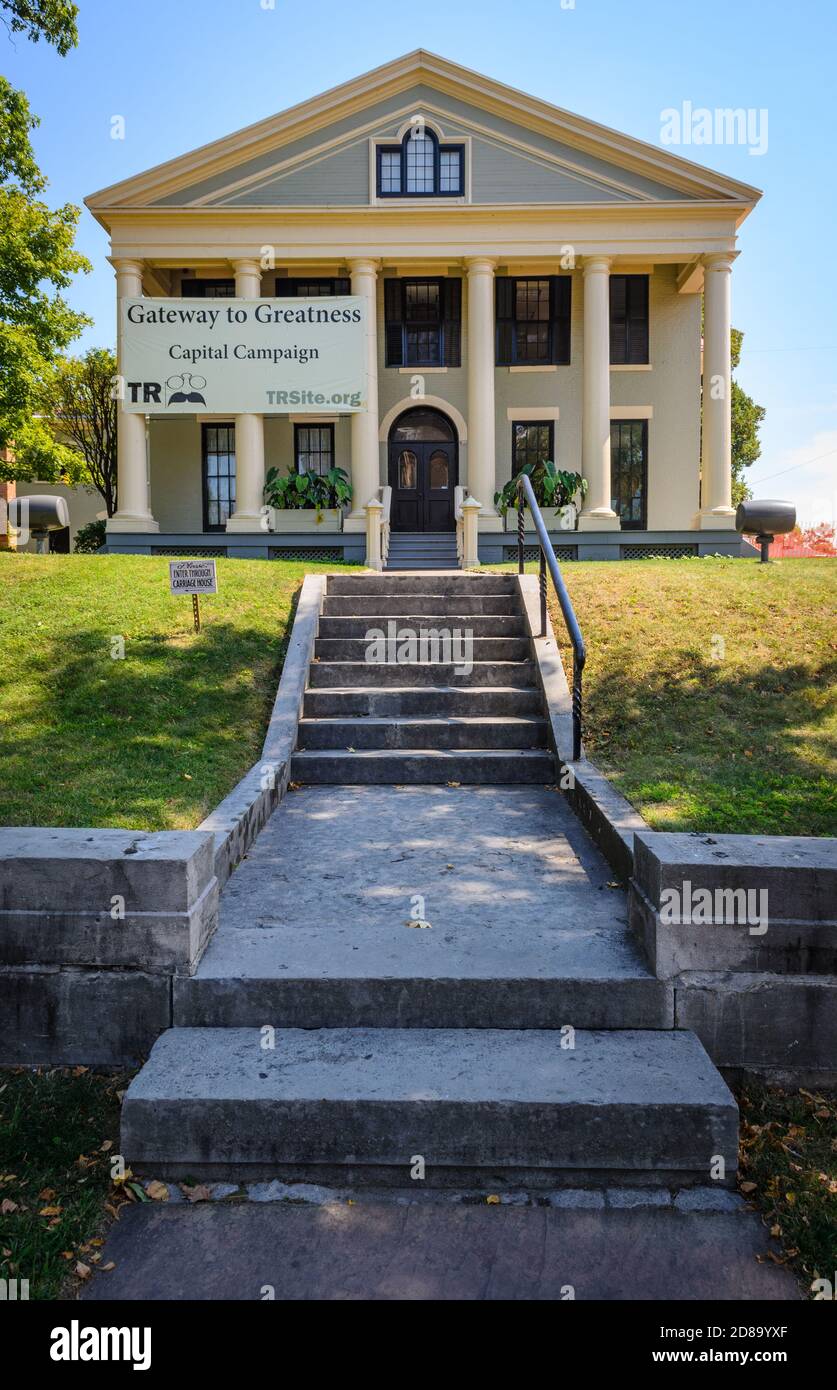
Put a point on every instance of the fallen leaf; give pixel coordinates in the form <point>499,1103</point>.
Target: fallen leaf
<point>50,1211</point>
<point>775,1230</point>
<point>417,922</point>
<point>199,1193</point>
<point>748,1186</point>
<point>493,1200</point>
<point>111,1264</point>
<point>83,1271</point>
<point>454,784</point>
<point>47,1194</point>
<point>157,1191</point>
<point>7,1206</point>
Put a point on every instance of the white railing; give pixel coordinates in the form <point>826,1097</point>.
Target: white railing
<point>466,511</point>
<point>378,528</point>
<point>386,498</point>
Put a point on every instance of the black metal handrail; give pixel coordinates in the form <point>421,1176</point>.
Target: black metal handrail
<point>547,560</point>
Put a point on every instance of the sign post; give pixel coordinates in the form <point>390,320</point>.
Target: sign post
<point>193,577</point>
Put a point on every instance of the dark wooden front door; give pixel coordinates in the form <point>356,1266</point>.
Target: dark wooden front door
<point>422,473</point>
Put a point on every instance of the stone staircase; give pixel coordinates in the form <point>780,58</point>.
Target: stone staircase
<point>422,550</point>
<point>440,970</point>
<point>433,721</point>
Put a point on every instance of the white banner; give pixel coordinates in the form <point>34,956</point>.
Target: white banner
<point>243,356</point>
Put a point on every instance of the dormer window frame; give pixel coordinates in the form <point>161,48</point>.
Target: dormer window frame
<point>399,148</point>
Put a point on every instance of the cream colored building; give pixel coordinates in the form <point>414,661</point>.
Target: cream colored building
<point>534,286</point>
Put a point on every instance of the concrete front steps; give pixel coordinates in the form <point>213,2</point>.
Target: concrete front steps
<point>504,1107</point>
<point>514,1038</point>
<point>425,550</point>
<point>479,722</point>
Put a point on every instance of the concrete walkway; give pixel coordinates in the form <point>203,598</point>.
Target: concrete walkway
<point>526,929</point>
<point>402,1249</point>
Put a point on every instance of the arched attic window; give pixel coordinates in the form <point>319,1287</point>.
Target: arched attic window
<point>421,167</point>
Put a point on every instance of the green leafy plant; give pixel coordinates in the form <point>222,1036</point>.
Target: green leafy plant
<point>90,538</point>
<point>553,487</point>
<point>307,491</point>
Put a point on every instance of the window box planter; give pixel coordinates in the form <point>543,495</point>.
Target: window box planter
<point>294,519</point>
<point>556,518</point>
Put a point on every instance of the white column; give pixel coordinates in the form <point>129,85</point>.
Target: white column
<point>249,429</point>
<point>132,493</point>
<point>597,513</point>
<point>716,508</point>
<point>482,458</point>
<point>366,467</point>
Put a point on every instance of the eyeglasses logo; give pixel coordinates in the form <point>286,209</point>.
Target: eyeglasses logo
<point>185,388</point>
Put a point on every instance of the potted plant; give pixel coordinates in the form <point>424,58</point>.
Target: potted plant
<point>553,488</point>
<point>294,497</point>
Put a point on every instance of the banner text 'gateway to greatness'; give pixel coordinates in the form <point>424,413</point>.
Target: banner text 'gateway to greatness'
<point>243,356</point>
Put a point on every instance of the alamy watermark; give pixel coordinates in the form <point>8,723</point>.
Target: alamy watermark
<point>707,907</point>
<point>406,646</point>
<point>698,125</point>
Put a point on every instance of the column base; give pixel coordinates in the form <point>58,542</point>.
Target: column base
<point>603,519</point>
<point>355,521</point>
<point>130,522</point>
<point>247,521</point>
<point>721,519</point>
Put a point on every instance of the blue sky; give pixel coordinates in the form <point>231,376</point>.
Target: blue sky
<point>184,72</point>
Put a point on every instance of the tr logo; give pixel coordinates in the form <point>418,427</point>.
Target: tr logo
<point>181,389</point>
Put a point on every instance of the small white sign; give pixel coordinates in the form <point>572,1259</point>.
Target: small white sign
<point>193,577</point>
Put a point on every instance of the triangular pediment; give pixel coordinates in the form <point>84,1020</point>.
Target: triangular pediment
<point>520,151</point>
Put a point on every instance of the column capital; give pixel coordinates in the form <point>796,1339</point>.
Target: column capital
<point>127,265</point>
<point>480,265</point>
<point>363,265</point>
<point>597,265</point>
<point>246,265</point>
<point>719,260</point>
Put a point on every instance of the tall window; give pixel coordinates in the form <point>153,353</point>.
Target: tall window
<point>207,289</point>
<point>628,319</point>
<point>533,320</point>
<point>218,475</point>
<point>533,441</point>
<point>629,472</point>
<point>318,287</point>
<point>314,448</point>
<point>421,168</point>
<point>423,322</point>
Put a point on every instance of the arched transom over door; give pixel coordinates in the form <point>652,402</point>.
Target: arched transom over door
<point>422,471</point>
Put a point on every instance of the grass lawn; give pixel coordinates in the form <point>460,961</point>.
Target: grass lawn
<point>153,741</point>
<point>57,1131</point>
<point>788,1170</point>
<point>710,697</point>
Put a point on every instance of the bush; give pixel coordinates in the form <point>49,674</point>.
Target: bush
<point>307,491</point>
<point>90,538</point>
<point>552,487</point>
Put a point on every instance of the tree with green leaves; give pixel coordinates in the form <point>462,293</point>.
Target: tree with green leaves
<point>82,415</point>
<point>37,261</point>
<point>53,20</point>
<point>746,421</point>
